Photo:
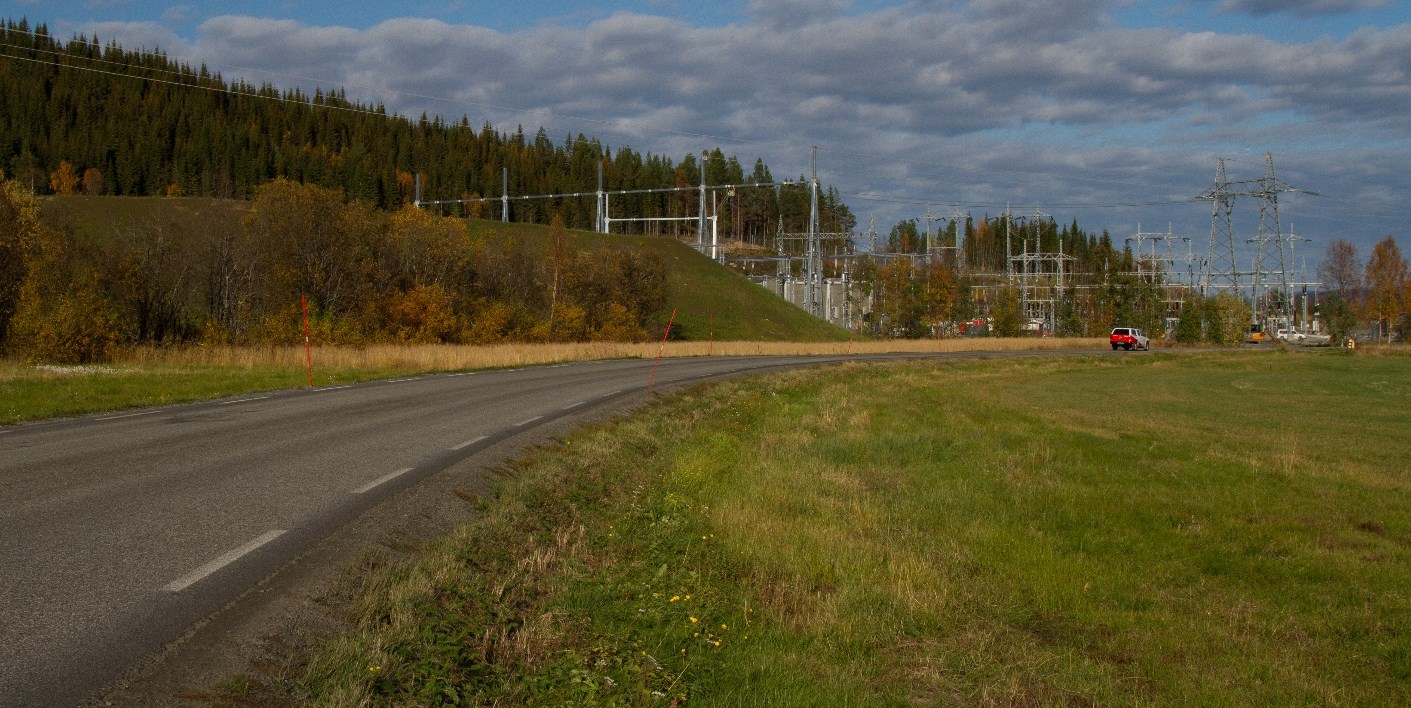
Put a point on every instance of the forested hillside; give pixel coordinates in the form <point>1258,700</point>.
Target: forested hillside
<point>82,116</point>
<point>202,271</point>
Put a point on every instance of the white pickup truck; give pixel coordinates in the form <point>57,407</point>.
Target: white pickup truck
<point>1295,337</point>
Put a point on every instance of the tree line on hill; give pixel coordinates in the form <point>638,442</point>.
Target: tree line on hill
<point>87,117</point>
<point>369,276</point>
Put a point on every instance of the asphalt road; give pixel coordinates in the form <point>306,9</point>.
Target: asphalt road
<point>120,531</point>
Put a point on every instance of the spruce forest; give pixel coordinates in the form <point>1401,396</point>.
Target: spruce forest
<point>86,117</point>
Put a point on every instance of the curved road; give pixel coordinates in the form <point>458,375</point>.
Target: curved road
<point>121,531</point>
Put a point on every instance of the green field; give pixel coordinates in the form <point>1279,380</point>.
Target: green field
<point>1185,528</point>
<point>33,393</point>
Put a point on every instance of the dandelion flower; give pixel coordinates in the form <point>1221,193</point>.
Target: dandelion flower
<point>695,620</point>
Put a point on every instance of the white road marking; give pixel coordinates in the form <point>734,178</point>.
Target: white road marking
<point>523,423</point>
<point>571,406</point>
<point>243,400</point>
<point>229,557</point>
<point>468,443</point>
<point>127,415</point>
<point>381,480</point>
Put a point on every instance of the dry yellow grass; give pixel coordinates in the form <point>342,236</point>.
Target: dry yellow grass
<point>456,357</point>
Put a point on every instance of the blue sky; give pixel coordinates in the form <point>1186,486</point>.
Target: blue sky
<point>1109,111</point>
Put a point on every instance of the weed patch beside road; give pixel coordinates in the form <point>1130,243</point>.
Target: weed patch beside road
<point>1151,529</point>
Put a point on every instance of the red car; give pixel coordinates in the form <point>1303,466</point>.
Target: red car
<point>1129,338</point>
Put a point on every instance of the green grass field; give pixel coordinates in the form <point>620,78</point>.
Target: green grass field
<point>33,393</point>
<point>1186,528</point>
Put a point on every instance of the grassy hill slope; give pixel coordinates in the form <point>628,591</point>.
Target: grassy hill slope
<point>700,289</point>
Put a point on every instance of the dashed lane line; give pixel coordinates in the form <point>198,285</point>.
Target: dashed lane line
<point>243,400</point>
<point>468,443</point>
<point>374,484</point>
<point>225,559</point>
<point>127,415</point>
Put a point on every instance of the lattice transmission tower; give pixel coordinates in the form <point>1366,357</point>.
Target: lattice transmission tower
<point>1220,271</point>
<point>1269,284</point>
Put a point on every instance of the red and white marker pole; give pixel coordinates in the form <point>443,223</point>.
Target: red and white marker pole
<point>661,349</point>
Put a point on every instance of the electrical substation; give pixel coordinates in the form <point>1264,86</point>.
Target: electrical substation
<point>818,270</point>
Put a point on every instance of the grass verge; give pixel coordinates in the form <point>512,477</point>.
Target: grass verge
<point>151,376</point>
<point>1207,528</point>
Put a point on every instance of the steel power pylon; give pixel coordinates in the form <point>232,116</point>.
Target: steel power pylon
<point>1221,270</point>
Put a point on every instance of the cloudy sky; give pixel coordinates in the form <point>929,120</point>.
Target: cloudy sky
<point>1110,112</point>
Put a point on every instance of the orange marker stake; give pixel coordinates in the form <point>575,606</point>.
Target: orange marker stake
<point>661,349</point>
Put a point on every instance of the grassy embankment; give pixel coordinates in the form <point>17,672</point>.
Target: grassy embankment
<point>152,377</point>
<point>1198,528</point>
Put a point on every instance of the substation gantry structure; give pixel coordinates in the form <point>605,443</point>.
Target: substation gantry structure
<point>819,292</point>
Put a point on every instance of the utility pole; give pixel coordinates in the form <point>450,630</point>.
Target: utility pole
<point>960,219</point>
<point>815,259</point>
<point>700,228</point>
<point>598,211</point>
<point>930,242</point>
<point>505,194</point>
<point>1008,218</point>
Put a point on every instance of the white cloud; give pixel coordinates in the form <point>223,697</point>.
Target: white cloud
<point>984,101</point>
